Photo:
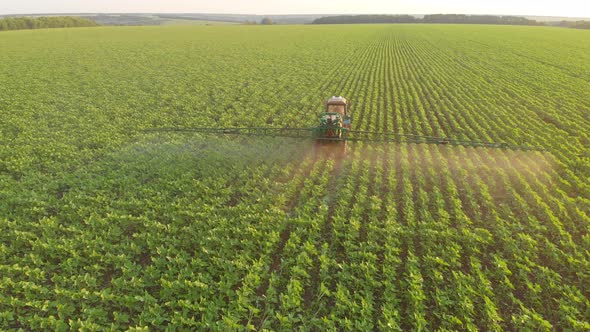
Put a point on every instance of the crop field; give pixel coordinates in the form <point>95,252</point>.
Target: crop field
<point>105,226</point>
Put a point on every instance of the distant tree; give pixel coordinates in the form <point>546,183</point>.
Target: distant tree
<point>266,21</point>
<point>248,22</point>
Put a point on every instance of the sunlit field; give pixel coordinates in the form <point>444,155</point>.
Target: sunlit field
<point>104,225</point>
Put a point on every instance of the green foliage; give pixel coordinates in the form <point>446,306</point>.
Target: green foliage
<point>22,23</point>
<point>107,227</point>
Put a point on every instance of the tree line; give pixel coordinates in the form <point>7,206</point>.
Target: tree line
<point>575,25</point>
<point>436,18</point>
<point>21,23</point>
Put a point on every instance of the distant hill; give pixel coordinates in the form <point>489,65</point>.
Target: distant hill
<point>239,18</point>
<point>160,19</point>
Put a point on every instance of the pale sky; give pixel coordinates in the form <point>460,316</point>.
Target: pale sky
<point>571,8</point>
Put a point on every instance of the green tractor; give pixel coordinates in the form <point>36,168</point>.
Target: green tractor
<point>335,122</point>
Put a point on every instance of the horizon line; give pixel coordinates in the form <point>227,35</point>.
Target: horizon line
<point>266,14</point>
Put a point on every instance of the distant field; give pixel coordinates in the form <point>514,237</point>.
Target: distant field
<point>105,226</point>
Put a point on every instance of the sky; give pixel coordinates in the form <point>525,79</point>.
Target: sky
<point>571,8</point>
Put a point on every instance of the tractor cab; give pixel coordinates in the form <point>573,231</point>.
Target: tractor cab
<point>339,105</point>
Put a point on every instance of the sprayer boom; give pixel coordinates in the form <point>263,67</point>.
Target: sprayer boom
<point>335,128</point>
<point>342,134</point>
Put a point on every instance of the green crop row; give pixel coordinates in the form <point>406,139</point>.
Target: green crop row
<point>107,227</point>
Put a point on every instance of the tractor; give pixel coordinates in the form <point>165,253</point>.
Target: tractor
<point>333,128</point>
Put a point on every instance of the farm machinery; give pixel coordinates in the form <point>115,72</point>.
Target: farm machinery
<point>334,131</point>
